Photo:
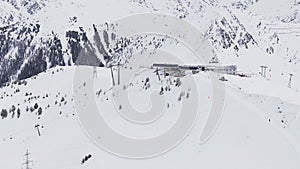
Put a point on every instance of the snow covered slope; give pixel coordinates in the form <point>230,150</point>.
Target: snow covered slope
<point>255,131</point>
<point>41,41</point>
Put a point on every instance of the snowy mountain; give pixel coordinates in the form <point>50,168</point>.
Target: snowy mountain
<point>44,42</point>
<point>30,7</point>
<point>227,27</point>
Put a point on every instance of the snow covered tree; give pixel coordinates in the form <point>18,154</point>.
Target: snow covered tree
<point>4,113</point>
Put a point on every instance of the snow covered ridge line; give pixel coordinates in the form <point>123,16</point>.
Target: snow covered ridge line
<point>101,47</point>
<point>25,52</point>
<point>225,30</point>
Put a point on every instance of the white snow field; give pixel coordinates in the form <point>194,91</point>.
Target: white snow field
<point>250,135</point>
<point>260,124</point>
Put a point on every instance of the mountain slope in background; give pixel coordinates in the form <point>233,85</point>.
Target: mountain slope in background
<point>57,41</point>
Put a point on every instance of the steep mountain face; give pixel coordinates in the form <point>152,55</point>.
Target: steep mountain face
<point>103,47</point>
<point>26,50</point>
<point>30,6</point>
<point>225,31</point>
<point>23,55</point>
<point>229,33</point>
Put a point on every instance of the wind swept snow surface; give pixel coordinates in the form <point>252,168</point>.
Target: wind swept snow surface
<point>250,135</point>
